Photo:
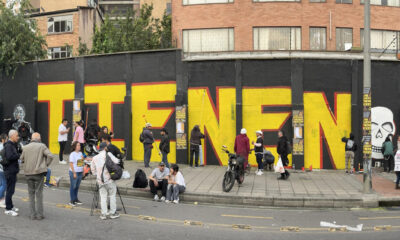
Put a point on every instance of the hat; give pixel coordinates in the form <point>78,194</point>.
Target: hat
<point>102,146</point>
<point>161,164</point>
<point>243,131</point>
<point>259,132</point>
<point>148,124</point>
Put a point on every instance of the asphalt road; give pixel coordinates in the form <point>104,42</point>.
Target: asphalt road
<point>147,219</point>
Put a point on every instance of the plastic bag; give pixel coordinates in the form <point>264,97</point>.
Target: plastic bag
<point>279,166</point>
<point>125,175</point>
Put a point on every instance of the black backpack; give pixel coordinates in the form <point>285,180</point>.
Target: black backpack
<point>4,161</point>
<point>114,169</point>
<point>141,137</point>
<point>140,179</point>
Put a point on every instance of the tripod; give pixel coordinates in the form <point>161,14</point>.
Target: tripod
<point>95,202</point>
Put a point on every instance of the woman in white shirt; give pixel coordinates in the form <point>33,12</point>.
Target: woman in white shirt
<point>76,163</point>
<point>176,185</point>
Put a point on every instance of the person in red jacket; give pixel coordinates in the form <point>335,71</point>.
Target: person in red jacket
<point>242,146</point>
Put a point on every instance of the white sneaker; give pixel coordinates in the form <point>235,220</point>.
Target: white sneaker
<point>176,201</point>
<point>103,217</point>
<point>156,198</point>
<point>15,209</point>
<point>62,162</point>
<point>162,199</point>
<point>11,213</point>
<point>167,201</point>
<point>256,171</point>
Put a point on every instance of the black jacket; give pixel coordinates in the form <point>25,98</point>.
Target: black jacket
<point>196,136</point>
<point>164,144</point>
<point>351,146</point>
<point>12,155</point>
<point>282,148</point>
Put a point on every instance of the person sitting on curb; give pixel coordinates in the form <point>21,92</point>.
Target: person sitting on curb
<point>158,180</point>
<point>107,187</point>
<point>176,185</point>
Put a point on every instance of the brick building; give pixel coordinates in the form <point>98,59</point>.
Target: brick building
<point>254,25</point>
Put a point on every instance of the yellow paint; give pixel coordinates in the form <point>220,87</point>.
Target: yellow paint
<point>55,94</point>
<point>318,113</point>
<point>141,96</point>
<point>254,119</point>
<point>201,112</point>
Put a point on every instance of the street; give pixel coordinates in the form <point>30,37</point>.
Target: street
<point>147,219</point>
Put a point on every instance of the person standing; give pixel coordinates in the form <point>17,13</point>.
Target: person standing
<point>36,158</point>
<point>350,149</point>
<point>62,139</point>
<point>148,141</point>
<point>259,150</point>
<point>195,142</point>
<point>176,185</point>
<point>76,162</point>
<point>3,182</point>
<point>387,150</point>
<point>107,187</point>
<point>164,146</point>
<point>283,151</point>
<point>79,135</point>
<point>242,146</point>
<point>397,168</point>
<point>11,169</point>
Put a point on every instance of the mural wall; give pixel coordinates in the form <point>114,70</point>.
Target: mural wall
<point>124,91</point>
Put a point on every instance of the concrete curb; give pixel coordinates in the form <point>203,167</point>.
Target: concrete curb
<point>365,201</point>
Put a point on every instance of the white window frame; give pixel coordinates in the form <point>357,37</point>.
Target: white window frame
<point>343,48</point>
<point>52,51</point>
<point>199,2</point>
<point>67,19</point>
<point>384,45</point>
<point>186,37</point>
<point>325,38</point>
<point>293,45</point>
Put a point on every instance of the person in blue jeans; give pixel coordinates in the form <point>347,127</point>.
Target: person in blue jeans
<point>76,163</point>
<point>48,177</point>
<point>3,182</point>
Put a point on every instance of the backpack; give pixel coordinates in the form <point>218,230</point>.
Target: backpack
<point>141,137</point>
<point>3,160</point>
<point>268,157</point>
<point>140,179</point>
<point>114,169</point>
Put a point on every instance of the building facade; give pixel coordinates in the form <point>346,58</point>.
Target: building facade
<point>255,25</point>
<point>114,8</point>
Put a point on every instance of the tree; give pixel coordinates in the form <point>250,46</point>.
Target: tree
<point>132,33</point>
<point>20,39</point>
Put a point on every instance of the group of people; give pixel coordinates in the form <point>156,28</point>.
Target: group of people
<point>147,138</point>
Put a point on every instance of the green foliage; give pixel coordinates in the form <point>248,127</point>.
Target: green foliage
<point>20,39</point>
<point>83,48</point>
<point>132,33</point>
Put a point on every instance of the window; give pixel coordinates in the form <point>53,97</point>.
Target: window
<point>192,2</point>
<point>59,24</point>
<point>208,40</point>
<point>344,39</point>
<point>344,1</point>
<point>277,38</point>
<point>277,0</point>
<point>317,38</point>
<point>168,9</point>
<point>58,52</point>
<point>317,1</point>
<point>390,3</point>
<point>382,39</point>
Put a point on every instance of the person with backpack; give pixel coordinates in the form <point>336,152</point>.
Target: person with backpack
<point>3,182</point>
<point>158,180</point>
<point>107,186</point>
<point>146,137</point>
<point>283,149</point>
<point>350,149</point>
<point>164,146</point>
<point>388,154</point>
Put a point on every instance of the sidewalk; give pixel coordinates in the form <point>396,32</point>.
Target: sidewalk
<point>325,188</point>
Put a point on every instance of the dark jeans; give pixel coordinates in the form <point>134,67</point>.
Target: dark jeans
<point>165,158</point>
<point>398,178</point>
<point>162,185</point>
<point>259,158</point>
<point>147,154</point>
<point>388,163</point>
<point>11,179</point>
<point>194,150</point>
<point>74,185</point>
<point>62,148</point>
<point>285,162</point>
<point>35,189</point>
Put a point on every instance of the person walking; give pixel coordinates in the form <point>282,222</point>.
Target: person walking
<point>107,187</point>
<point>3,182</point>
<point>259,150</point>
<point>164,146</point>
<point>158,180</point>
<point>397,168</point>
<point>388,154</point>
<point>283,151</point>
<point>11,169</point>
<point>195,142</point>
<point>62,139</point>
<point>36,158</point>
<point>79,134</point>
<point>148,141</point>
<point>350,149</point>
<point>76,163</point>
<point>242,146</point>
<point>176,185</point>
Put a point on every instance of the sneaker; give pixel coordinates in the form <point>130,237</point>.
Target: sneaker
<point>167,201</point>
<point>176,201</point>
<point>103,217</point>
<point>11,213</point>
<point>156,198</point>
<point>72,204</point>
<point>77,202</point>
<point>114,216</point>
<point>62,162</point>
<point>162,199</point>
<point>258,173</point>
<point>15,209</point>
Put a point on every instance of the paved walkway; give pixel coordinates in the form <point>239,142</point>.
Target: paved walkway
<point>325,188</point>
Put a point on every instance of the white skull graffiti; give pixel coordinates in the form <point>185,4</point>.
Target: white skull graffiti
<point>382,126</point>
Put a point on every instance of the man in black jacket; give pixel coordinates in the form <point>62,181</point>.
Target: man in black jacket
<point>148,141</point>
<point>350,148</point>
<point>283,151</point>
<point>164,146</point>
<point>11,169</point>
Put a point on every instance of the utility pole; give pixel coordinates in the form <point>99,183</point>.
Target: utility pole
<point>366,140</point>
